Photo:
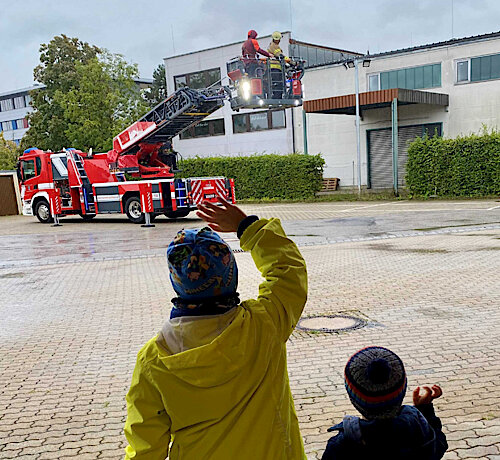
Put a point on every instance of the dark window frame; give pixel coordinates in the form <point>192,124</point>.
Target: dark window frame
<point>211,130</point>
<point>393,78</point>
<point>269,121</point>
<point>204,72</point>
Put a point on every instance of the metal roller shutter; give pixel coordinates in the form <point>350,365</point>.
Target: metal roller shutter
<point>406,135</point>
<point>380,154</point>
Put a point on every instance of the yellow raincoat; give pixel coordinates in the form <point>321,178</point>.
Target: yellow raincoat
<point>216,387</point>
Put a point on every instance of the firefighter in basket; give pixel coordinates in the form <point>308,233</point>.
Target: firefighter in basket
<point>277,65</point>
<point>249,51</point>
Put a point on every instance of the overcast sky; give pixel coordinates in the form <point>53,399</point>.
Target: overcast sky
<point>147,31</point>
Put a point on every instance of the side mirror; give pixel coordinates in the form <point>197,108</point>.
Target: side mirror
<point>19,172</point>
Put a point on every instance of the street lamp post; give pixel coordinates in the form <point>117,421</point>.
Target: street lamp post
<point>358,131</point>
<point>349,65</point>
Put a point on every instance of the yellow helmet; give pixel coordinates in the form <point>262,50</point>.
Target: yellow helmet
<point>276,35</point>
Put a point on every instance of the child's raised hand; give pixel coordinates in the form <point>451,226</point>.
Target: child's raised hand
<point>225,218</point>
<point>428,396</point>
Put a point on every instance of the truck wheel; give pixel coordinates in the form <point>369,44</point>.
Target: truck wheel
<point>177,214</point>
<point>42,212</point>
<point>134,211</point>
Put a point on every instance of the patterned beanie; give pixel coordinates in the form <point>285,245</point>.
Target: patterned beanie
<point>375,380</point>
<point>201,265</point>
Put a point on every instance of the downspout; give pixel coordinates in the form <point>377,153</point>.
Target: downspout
<point>304,124</point>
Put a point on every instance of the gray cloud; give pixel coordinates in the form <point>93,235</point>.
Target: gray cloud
<point>142,31</point>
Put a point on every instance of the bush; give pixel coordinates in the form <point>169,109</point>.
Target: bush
<point>293,176</point>
<point>466,166</point>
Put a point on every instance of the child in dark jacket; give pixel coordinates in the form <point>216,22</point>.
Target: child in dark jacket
<point>375,380</point>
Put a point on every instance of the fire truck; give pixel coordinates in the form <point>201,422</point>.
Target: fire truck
<point>137,177</point>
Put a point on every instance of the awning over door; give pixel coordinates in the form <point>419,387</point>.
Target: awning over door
<point>374,100</point>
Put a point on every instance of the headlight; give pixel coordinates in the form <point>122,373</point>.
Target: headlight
<point>246,90</point>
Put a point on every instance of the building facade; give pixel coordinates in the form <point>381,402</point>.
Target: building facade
<point>449,89</point>
<point>249,131</point>
<point>15,107</point>
<point>14,110</point>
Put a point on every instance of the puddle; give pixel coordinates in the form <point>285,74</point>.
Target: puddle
<point>12,275</point>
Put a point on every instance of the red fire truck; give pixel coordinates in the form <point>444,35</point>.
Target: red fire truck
<point>58,184</point>
<point>74,182</point>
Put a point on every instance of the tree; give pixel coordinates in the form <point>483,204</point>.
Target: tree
<point>9,153</point>
<point>57,71</point>
<point>90,95</point>
<point>106,101</point>
<point>158,90</point>
<point>88,128</point>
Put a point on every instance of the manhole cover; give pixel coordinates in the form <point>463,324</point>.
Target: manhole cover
<point>334,323</point>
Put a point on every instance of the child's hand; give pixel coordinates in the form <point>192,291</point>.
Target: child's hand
<point>428,396</point>
<point>225,218</point>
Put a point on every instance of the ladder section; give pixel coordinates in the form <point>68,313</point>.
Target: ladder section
<point>88,195</point>
<point>183,109</point>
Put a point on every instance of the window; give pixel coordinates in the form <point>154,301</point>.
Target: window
<point>21,123</point>
<point>463,71</point>
<point>28,169</point>
<point>6,104</point>
<point>314,55</point>
<point>204,129</point>
<point>19,102</point>
<point>6,125</point>
<point>432,129</point>
<point>373,82</point>
<point>427,76</point>
<point>485,68</point>
<point>258,121</point>
<point>27,100</point>
<point>198,80</point>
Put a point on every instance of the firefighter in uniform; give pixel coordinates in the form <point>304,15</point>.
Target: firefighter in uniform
<point>276,67</point>
<point>249,51</point>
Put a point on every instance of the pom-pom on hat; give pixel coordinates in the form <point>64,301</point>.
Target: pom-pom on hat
<point>375,380</point>
<point>201,265</point>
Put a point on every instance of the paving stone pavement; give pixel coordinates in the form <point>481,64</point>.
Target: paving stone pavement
<point>70,334</point>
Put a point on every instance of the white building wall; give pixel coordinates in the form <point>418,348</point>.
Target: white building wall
<point>269,141</point>
<point>472,105</point>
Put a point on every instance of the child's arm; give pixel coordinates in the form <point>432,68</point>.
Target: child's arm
<point>424,404</point>
<point>148,425</point>
<point>284,291</point>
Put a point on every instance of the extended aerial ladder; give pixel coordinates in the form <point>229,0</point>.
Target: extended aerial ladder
<point>137,149</point>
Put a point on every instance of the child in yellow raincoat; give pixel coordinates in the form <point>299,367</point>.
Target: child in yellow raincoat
<point>213,384</point>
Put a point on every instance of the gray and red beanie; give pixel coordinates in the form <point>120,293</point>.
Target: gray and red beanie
<point>375,380</point>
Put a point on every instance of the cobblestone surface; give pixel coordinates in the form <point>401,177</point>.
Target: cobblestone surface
<point>70,334</point>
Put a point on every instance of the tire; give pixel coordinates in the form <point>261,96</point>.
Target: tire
<point>42,212</point>
<point>87,217</point>
<point>177,214</point>
<point>134,211</point>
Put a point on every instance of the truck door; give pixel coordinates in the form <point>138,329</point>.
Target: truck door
<point>30,170</point>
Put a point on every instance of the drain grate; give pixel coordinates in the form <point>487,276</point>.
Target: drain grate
<point>330,323</point>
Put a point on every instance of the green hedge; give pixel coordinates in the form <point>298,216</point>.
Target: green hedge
<point>293,176</point>
<point>466,166</point>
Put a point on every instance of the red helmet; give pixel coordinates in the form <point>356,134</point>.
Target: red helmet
<point>252,34</point>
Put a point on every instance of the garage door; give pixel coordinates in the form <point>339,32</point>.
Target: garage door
<point>380,152</point>
<point>8,202</point>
